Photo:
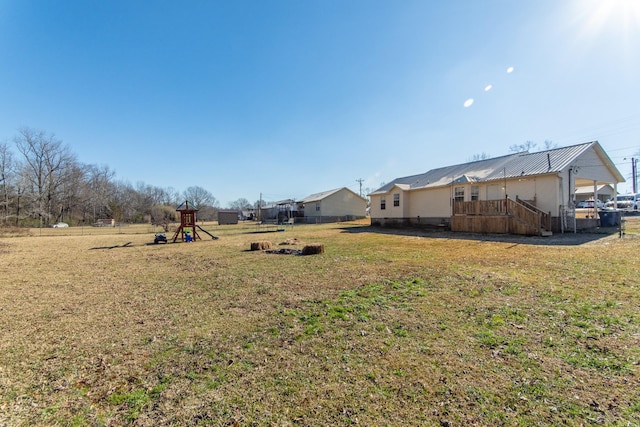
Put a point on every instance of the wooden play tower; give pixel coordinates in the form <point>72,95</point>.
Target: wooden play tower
<point>187,223</point>
<point>187,230</point>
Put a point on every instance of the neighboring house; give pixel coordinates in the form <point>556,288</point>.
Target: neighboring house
<point>340,204</point>
<point>523,193</point>
<point>605,192</point>
<point>278,211</point>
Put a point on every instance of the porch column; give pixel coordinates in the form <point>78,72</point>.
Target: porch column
<point>596,213</point>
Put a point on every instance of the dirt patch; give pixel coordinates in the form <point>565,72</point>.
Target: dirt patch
<point>313,249</point>
<point>595,237</point>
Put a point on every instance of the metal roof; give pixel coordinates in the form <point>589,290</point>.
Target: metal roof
<point>322,195</point>
<point>509,166</point>
<point>540,163</point>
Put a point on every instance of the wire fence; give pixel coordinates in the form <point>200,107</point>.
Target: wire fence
<point>630,225</point>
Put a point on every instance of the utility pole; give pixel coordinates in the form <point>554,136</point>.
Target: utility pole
<point>362,180</point>
<point>634,174</point>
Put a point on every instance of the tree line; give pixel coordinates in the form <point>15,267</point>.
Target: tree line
<point>42,182</point>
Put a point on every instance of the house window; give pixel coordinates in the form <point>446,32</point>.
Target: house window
<point>396,199</point>
<point>459,194</point>
<point>475,192</point>
<point>317,207</point>
<point>383,203</point>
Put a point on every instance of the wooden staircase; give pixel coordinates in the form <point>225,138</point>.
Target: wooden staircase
<point>528,213</point>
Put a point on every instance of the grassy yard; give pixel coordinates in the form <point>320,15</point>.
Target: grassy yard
<point>384,328</point>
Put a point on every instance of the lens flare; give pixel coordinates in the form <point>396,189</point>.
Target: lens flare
<point>469,102</point>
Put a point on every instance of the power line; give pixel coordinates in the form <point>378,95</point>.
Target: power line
<point>614,127</point>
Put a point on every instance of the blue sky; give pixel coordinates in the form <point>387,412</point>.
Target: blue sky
<point>288,98</point>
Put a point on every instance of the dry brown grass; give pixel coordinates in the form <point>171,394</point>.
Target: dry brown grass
<point>382,329</point>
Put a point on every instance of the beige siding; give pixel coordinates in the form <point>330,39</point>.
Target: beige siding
<point>376,212</point>
<point>399,211</point>
<point>313,209</point>
<point>543,189</point>
<point>548,194</point>
<point>390,210</point>
<point>433,203</point>
<point>340,203</point>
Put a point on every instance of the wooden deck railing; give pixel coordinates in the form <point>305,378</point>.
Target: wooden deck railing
<point>480,207</point>
<point>524,212</point>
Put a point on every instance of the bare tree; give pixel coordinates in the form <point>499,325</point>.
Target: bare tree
<point>7,174</point>
<point>481,156</point>
<point>123,203</point>
<point>202,200</point>
<point>523,148</point>
<point>163,215</point>
<point>99,189</point>
<point>45,162</point>
<point>70,199</point>
<point>200,197</point>
<point>44,183</point>
<point>530,146</point>
<point>240,205</point>
<point>170,197</point>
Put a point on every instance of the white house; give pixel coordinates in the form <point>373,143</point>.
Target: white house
<point>605,192</point>
<point>537,185</point>
<point>334,205</point>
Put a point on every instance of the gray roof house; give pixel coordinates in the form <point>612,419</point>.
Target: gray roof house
<point>495,195</point>
<point>340,204</point>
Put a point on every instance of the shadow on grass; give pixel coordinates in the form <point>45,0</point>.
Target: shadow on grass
<point>126,245</point>
<point>566,239</point>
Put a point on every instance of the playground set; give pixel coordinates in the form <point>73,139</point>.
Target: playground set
<point>187,230</point>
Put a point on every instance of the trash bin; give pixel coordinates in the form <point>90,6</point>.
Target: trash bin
<point>610,218</point>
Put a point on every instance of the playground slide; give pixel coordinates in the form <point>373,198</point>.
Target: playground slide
<point>205,231</point>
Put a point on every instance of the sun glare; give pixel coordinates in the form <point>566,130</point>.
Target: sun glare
<point>599,17</point>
